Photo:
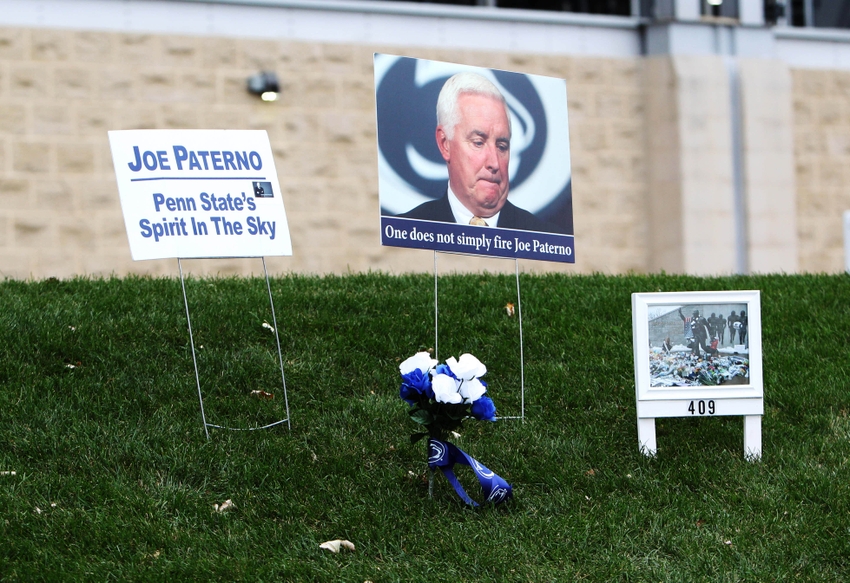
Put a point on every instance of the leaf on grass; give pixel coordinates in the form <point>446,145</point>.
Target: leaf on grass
<point>335,546</point>
<point>590,472</point>
<point>224,506</point>
<point>700,522</point>
<point>455,434</point>
<point>509,308</point>
<point>262,395</point>
<point>727,543</point>
<point>268,326</point>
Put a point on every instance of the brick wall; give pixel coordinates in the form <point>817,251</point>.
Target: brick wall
<point>61,91</point>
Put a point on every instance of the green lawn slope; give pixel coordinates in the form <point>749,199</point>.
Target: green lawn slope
<point>114,479</point>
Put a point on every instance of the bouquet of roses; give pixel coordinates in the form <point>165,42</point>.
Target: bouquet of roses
<point>441,396</point>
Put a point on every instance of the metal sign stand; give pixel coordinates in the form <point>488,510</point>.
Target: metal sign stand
<point>207,425</point>
<point>519,316</point>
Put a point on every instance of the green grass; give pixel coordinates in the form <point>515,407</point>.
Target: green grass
<point>113,454</point>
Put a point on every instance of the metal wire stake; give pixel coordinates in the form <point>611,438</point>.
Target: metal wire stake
<point>192,343</point>
<point>521,355</point>
<point>195,360</point>
<point>436,312</point>
<point>277,338</point>
<point>521,350</point>
<point>521,345</point>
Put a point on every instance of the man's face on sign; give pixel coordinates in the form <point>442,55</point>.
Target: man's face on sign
<point>478,153</point>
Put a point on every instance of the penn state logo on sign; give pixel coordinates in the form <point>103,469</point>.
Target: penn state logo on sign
<point>411,169</point>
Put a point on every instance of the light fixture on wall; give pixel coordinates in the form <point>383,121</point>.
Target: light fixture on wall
<point>264,84</point>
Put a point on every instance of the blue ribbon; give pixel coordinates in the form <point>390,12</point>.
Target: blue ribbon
<point>444,455</point>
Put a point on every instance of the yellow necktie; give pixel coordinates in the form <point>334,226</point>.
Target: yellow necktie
<point>478,222</point>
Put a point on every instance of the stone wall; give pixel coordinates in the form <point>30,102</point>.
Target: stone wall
<point>690,154</point>
<point>633,173</point>
<point>822,165</point>
<point>61,91</point>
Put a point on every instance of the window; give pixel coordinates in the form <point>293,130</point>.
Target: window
<point>614,7</point>
<point>820,13</point>
<point>719,8</point>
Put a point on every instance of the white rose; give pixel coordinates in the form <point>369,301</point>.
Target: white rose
<point>466,367</point>
<point>445,389</point>
<point>420,360</point>
<point>471,390</point>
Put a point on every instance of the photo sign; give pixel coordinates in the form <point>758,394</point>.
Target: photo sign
<point>473,160</point>
<point>199,193</point>
<point>698,354</point>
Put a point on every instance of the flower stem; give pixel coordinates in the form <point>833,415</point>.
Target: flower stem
<point>434,432</point>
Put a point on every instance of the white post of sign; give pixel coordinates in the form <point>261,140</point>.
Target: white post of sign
<point>202,194</point>
<point>752,437</point>
<point>646,436</point>
<point>686,367</point>
<point>752,430</point>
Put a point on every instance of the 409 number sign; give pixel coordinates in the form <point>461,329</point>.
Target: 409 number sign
<point>701,407</point>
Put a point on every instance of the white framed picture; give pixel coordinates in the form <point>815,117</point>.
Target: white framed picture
<point>703,345</point>
<point>698,354</point>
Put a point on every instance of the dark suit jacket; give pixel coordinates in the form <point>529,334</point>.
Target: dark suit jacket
<point>511,216</point>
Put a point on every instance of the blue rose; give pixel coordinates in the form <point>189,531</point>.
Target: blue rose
<point>444,369</point>
<point>408,394</point>
<point>483,409</point>
<point>414,384</point>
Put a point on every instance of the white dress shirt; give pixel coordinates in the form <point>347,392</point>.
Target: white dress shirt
<point>463,215</point>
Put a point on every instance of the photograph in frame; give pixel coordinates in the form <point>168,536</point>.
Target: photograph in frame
<point>697,344</point>
<point>488,175</point>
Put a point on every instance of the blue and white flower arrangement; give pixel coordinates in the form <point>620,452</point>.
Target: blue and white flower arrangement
<point>441,397</point>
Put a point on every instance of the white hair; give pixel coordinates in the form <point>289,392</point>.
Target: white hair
<point>448,115</point>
